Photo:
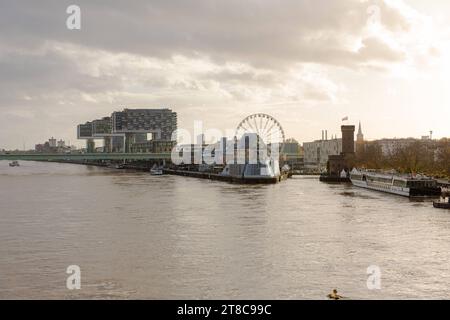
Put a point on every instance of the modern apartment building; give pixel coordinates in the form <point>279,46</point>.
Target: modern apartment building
<point>161,123</point>
<point>124,129</point>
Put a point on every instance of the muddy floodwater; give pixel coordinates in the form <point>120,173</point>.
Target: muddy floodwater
<point>134,235</point>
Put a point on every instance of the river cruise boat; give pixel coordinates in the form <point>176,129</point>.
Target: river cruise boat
<point>403,185</point>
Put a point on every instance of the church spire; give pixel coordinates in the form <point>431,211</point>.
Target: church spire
<point>360,146</point>
<point>359,136</point>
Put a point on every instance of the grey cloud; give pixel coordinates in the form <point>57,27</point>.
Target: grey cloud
<point>270,38</point>
<point>393,18</point>
<point>25,74</point>
<point>250,77</point>
<point>268,33</point>
<point>375,49</point>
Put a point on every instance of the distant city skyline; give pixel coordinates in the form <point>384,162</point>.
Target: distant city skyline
<point>81,143</point>
<point>385,63</point>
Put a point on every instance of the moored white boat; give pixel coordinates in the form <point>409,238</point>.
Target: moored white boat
<point>156,171</point>
<point>403,185</point>
<point>442,204</point>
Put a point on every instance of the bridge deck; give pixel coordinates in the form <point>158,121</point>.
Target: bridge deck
<point>93,156</point>
<point>85,156</point>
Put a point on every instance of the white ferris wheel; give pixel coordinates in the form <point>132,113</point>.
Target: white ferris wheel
<point>267,128</point>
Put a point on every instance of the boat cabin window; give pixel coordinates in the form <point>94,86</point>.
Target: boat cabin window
<point>421,183</point>
<point>399,183</point>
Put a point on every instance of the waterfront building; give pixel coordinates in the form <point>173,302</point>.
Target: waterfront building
<point>96,129</point>
<point>390,146</point>
<point>339,165</point>
<point>127,130</point>
<point>291,146</point>
<point>101,127</point>
<point>43,147</point>
<point>348,139</point>
<point>52,146</point>
<point>316,153</point>
<point>161,123</point>
<point>52,142</point>
<point>85,131</point>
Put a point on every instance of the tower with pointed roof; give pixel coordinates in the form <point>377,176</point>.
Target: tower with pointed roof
<point>359,139</point>
<point>359,136</point>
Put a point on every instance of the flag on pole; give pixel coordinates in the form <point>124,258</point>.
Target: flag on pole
<point>345,118</point>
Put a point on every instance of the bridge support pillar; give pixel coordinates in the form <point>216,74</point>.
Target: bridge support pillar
<point>128,141</point>
<point>107,144</point>
<point>90,145</point>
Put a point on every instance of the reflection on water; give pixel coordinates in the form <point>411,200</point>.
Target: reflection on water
<point>356,194</point>
<point>140,236</point>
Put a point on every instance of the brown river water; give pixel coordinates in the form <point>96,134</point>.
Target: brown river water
<point>137,236</point>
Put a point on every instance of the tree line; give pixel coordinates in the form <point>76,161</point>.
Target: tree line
<point>421,156</point>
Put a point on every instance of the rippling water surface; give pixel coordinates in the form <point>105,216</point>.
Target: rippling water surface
<point>140,236</point>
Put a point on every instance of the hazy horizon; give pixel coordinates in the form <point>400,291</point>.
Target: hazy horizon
<point>307,63</point>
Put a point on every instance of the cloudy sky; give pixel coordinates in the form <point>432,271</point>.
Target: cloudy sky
<point>308,63</point>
